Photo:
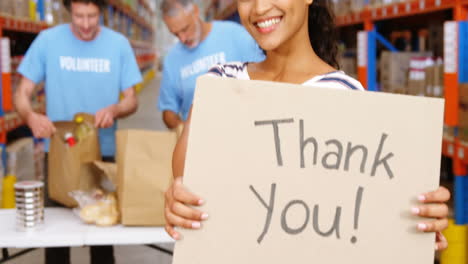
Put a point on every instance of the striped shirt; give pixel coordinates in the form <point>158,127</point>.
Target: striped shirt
<point>336,79</point>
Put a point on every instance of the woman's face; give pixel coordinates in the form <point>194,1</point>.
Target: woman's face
<point>273,22</point>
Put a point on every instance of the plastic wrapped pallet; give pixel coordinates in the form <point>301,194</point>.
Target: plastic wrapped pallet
<point>39,160</point>
<point>21,159</point>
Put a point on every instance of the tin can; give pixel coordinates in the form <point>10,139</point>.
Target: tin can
<point>29,197</point>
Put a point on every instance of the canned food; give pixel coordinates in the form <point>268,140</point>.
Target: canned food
<point>31,186</point>
<point>30,213</point>
<point>29,205</point>
<point>29,226</point>
<point>28,194</point>
<point>30,218</point>
<point>25,212</point>
<point>30,200</point>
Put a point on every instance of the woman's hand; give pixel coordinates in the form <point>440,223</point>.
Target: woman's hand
<point>434,206</point>
<point>178,211</point>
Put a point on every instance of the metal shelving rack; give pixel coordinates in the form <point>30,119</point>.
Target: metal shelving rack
<point>455,72</point>
<point>229,11</point>
<point>144,49</point>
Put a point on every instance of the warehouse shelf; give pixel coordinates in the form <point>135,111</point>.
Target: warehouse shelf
<point>145,4</point>
<point>21,25</point>
<point>350,19</point>
<point>144,50</point>
<point>12,120</point>
<point>454,148</point>
<point>141,44</point>
<point>125,9</point>
<point>455,66</point>
<point>146,61</point>
<point>398,10</point>
<point>448,146</point>
<point>145,65</point>
<point>227,12</point>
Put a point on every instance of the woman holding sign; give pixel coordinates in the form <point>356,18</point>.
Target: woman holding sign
<point>299,39</point>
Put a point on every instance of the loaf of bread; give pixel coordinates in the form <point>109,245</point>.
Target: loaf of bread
<point>102,213</point>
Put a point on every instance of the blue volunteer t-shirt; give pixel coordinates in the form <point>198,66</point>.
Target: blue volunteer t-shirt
<point>81,76</point>
<point>226,42</point>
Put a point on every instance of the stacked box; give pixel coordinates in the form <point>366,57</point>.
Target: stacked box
<point>394,67</point>
<point>7,7</point>
<point>21,8</point>
<point>59,13</point>
<point>357,5</point>
<point>341,8</point>
<point>349,66</point>
<point>435,80</point>
<point>417,75</point>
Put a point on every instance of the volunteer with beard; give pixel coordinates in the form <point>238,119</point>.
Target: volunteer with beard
<point>201,45</point>
<point>86,67</point>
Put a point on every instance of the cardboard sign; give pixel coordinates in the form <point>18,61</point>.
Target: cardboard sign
<point>297,174</point>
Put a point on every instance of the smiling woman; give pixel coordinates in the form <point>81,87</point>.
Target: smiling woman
<point>279,27</point>
<point>299,39</point>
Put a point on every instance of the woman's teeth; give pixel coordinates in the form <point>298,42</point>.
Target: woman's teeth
<point>268,23</point>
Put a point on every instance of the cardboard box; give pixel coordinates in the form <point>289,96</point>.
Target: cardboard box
<point>439,81</point>
<point>449,131</point>
<point>21,8</point>
<point>463,134</point>
<point>21,159</point>
<point>429,82</point>
<point>6,7</point>
<point>463,106</point>
<point>394,68</point>
<point>416,87</point>
<point>348,65</point>
<point>435,81</point>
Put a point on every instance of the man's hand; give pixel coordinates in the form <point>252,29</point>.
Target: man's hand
<point>40,125</point>
<point>105,117</point>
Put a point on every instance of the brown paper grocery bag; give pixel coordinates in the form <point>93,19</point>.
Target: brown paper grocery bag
<point>144,172</point>
<point>70,168</point>
<point>107,173</point>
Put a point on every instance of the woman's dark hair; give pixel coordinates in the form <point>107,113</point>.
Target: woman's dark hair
<point>99,3</point>
<point>322,31</point>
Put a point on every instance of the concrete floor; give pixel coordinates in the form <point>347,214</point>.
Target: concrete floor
<point>147,117</point>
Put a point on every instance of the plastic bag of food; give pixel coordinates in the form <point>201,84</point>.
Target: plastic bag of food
<point>96,207</point>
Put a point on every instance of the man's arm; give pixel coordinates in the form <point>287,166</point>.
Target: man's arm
<point>40,125</point>
<point>171,119</point>
<point>127,106</point>
<point>22,98</point>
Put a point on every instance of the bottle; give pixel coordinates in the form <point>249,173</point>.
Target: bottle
<point>70,139</point>
<point>8,184</point>
<point>8,195</point>
<point>83,128</point>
